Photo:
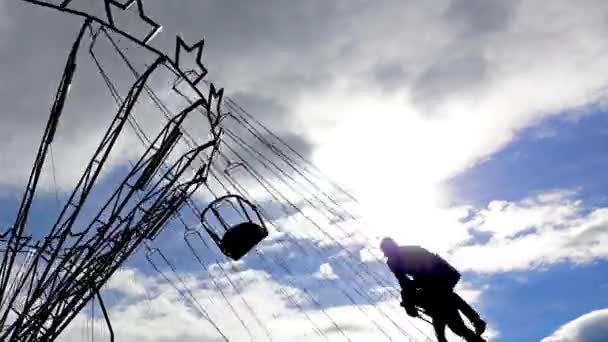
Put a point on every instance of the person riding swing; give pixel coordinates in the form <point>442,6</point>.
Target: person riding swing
<point>427,282</point>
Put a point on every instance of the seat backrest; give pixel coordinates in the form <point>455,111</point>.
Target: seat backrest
<point>241,238</point>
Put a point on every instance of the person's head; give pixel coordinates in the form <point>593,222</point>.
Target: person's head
<point>388,246</point>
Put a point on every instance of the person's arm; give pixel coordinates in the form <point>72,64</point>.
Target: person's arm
<point>407,302</point>
<point>405,282</point>
<point>407,290</point>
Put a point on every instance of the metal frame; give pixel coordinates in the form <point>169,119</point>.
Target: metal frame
<point>69,266</point>
<point>212,207</point>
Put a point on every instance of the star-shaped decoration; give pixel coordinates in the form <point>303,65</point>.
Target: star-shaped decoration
<point>180,44</point>
<point>140,9</point>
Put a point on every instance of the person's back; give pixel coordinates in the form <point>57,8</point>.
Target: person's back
<point>427,269</point>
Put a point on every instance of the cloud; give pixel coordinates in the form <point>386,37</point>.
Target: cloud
<point>590,327</point>
<point>481,17</point>
<point>311,68</point>
<point>5,20</point>
<point>551,228</point>
<point>123,281</point>
<point>89,108</point>
<point>165,316</point>
<point>450,76</point>
<point>39,47</point>
<point>391,115</point>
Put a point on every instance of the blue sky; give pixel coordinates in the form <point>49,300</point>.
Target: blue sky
<point>531,305</point>
<point>561,153</point>
<point>565,152</point>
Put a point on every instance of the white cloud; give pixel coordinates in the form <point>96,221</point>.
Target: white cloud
<point>534,233</point>
<point>396,147</point>
<point>140,316</point>
<point>128,282</point>
<point>326,272</point>
<point>435,102</point>
<point>590,327</point>
<point>165,317</point>
<point>469,293</point>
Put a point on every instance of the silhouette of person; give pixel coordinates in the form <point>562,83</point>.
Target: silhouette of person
<point>427,281</point>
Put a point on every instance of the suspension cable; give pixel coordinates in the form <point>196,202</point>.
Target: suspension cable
<point>164,110</point>
<point>188,292</point>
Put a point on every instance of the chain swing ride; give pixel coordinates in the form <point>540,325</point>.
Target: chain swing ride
<point>46,281</point>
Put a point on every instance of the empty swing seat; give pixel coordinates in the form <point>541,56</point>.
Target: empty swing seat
<point>234,239</point>
<point>241,238</point>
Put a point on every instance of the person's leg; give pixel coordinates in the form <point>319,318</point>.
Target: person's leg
<point>468,312</point>
<point>456,324</point>
<point>439,326</point>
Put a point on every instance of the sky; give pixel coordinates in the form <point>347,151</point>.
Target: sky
<point>474,128</point>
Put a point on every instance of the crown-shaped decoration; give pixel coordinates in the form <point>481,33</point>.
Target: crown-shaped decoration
<point>140,9</point>
<point>215,97</point>
<point>108,4</point>
<point>179,45</point>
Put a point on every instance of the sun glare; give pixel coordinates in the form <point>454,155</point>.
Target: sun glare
<point>384,151</point>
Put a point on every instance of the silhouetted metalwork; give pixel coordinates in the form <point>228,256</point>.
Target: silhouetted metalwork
<point>140,9</point>
<point>46,282</point>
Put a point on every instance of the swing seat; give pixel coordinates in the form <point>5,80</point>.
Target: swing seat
<point>241,238</point>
